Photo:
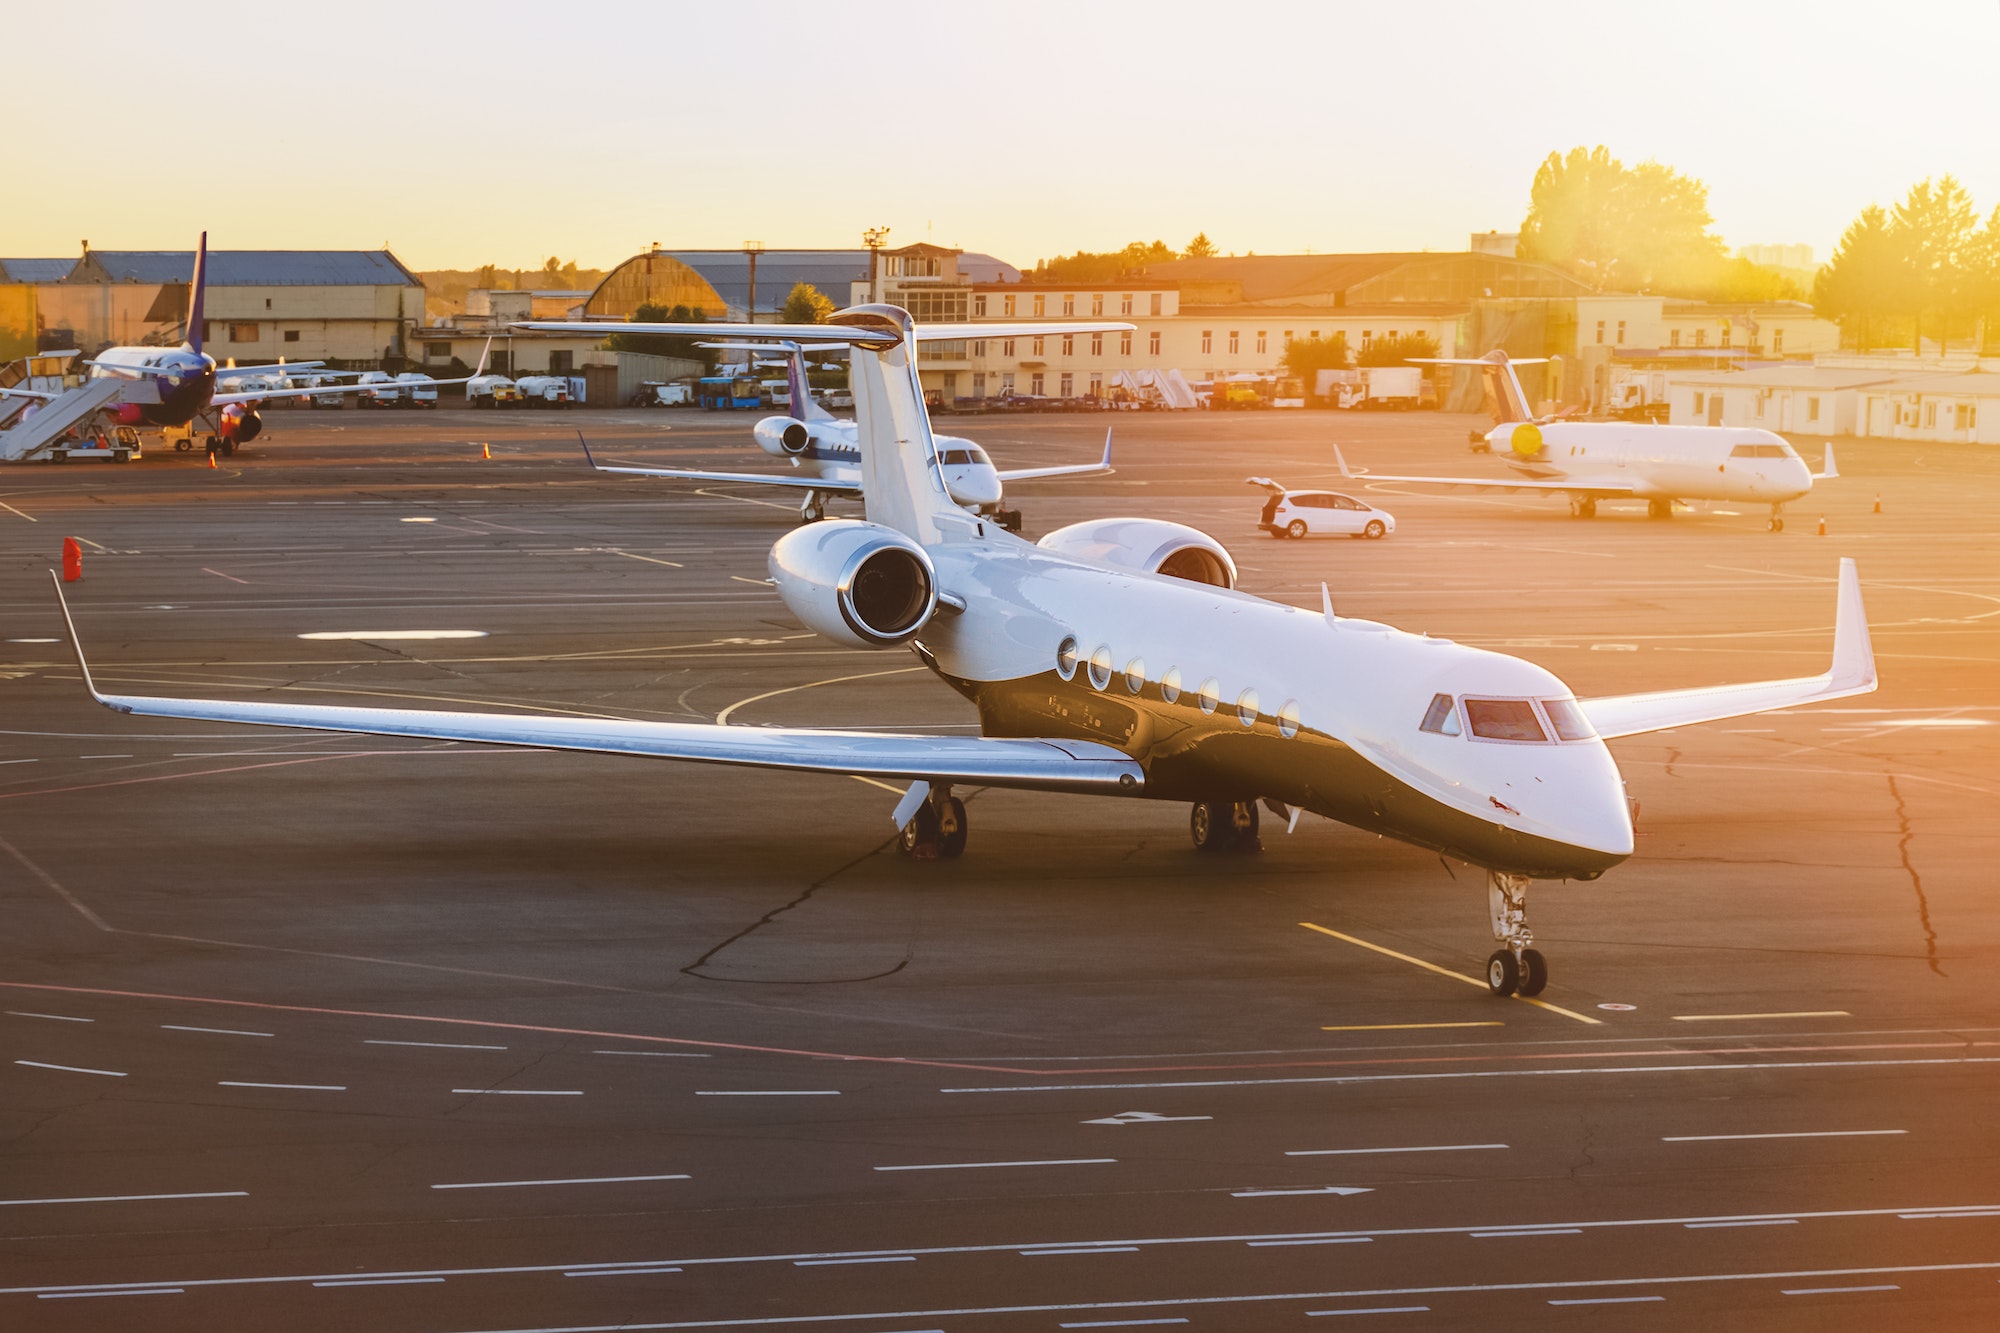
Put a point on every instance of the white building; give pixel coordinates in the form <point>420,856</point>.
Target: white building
<point>1811,400</point>
<point>1959,408</point>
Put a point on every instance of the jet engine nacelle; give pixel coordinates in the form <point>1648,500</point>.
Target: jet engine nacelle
<point>129,414</point>
<point>250,427</point>
<point>857,583</point>
<point>1149,545</point>
<point>782,436</point>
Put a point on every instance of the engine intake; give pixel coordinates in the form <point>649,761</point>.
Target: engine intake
<point>783,436</point>
<point>1149,546</point>
<point>857,583</point>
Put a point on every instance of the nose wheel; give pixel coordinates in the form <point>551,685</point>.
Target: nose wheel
<point>1777,518</point>
<point>1516,968</point>
<point>813,508</point>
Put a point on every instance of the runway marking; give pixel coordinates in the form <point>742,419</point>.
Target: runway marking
<point>1934,1217</point>
<point>1797,1134</point>
<point>1314,1240</point>
<point>60,1018</point>
<point>637,1270</point>
<point>34,640</point>
<point>231,577</point>
<point>70,1069</point>
<point>871,1259</point>
<point>1447,972</point>
<point>975,1166</point>
<point>574,1180</point>
<point>422,519</point>
<point>434,1045</point>
<point>20,761</point>
<point>1143,1118</point>
<point>1399,1027</point>
<point>1123,1323</point>
<point>761,583</point>
<point>377,1281</point>
<point>221,1032</point>
<point>1363,1152</point>
<point>1080,1249</point>
<point>1379,1309</point>
<point>663,1055</point>
<point>288,1087</point>
<point>384,635</point>
<point>1322,1189</point>
<point>517,1092</point>
<point>126,1198</point>
<point>1758,1222</point>
<point>78,1295</point>
<point>104,756</point>
<point>800,1092</point>
<point>1608,1300</point>
<point>649,559</point>
<point>1835,1291</point>
<point>94,546</point>
<point>1548,1231</point>
<point>722,718</point>
<point>1730,1018</point>
<point>17,513</point>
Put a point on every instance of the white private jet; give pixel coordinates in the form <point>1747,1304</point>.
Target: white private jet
<point>826,456</point>
<point>1616,460</point>
<point>1114,657</point>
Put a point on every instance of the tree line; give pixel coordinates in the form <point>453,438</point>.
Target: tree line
<point>1926,267</point>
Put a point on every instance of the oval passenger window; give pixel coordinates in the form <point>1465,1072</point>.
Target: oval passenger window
<point>1211,694</point>
<point>1246,708</point>
<point>1170,685</point>
<point>1100,668</point>
<point>1288,719</point>
<point>1135,674</point>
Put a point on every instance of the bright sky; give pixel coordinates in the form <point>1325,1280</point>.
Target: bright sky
<point>507,132</point>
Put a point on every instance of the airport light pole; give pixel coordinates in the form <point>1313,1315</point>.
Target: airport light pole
<point>753,249</point>
<point>875,238</point>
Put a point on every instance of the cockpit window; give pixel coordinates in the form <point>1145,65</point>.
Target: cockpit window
<point>1569,719</point>
<point>1440,718</point>
<point>1743,451</point>
<point>1505,720</point>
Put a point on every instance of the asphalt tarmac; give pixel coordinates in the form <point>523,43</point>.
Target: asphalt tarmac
<point>316,1032</point>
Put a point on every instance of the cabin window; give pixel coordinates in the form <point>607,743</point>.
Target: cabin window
<point>1441,718</point>
<point>1066,656</point>
<point>1246,708</point>
<point>1135,674</point>
<point>1170,685</point>
<point>1100,668</point>
<point>1505,720</point>
<point>1569,719</point>
<point>1288,719</point>
<point>1210,696</point>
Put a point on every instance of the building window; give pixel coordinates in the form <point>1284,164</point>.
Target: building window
<point>1700,403</point>
<point>1007,306</point>
<point>1035,384</point>
<point>561,363</point>
<point>291,335</point>
<point>1727,333</point>
<point>1674,338</point>
<point>1097,303</point>
<point>1207,340</point>
<point>1288,337</point>
<point>1260,340</point>
<point>1069,303</point>
<point>1156,302</point>
<point>1812,409</point>
<point>1232,342</point>
<point>1068,385</point>
<point>1097,344</point>
<point>1930,416</point>
<point>1007,383</point>
<point>979,307</point>
<point>1777,342</point>
<point>1621,333</point>
<point>1038,347</point>
<point>1153,341</point>
<point>1069,344</point>
<point>1096,384</point>
<point>243,333</point>
<point>1600,332</point>
<point>979,347</point>
<point>1125,343</point>
<point>432,351</point>
<point>978,384</point>
<point>1968,416</point>
<point>950,385</point>
<point>1701,337</point>
<point>1041,305</point>
<point>1125,303</point>
<point>1315,335</point>
<point>1007,348</point>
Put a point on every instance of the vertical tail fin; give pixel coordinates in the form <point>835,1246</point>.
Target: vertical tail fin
<point>901,478</point>
<point>1505,398</point>
<point>803,406</point>
<point>197,294</point>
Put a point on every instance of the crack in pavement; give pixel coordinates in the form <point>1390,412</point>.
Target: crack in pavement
<point>1904,834</point>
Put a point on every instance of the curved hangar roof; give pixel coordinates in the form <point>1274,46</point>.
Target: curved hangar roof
<point>717,282</point>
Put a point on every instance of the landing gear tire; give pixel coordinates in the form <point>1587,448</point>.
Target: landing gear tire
<point>1205,826</point>
<point>1659,509</point>
<point>1583,506</point>
<point>229,448</point>
<point>1515,968</point>
<point>1503,974</point>
<point>1777,524</point>
<point>813,508</point>
<point>922,835</point>
<point>952,829</point>
<point>937,831</point>
<point>1297,529</point>
<point>1224,826</point>
<point>1009,519</point>
<point>1534,973</point>
<point>1374,530</point>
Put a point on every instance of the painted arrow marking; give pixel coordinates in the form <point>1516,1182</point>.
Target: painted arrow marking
<point>1144,1118</point>
<point>1325,1189</point>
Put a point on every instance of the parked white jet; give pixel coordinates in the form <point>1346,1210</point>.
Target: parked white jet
<point>1617,460</point>
<point>826,456</point>
<point>1115,658</point>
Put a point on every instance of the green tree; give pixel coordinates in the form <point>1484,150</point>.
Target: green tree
<point>1397,350</point>
<point>1739,280</point>
<point>663,344</point>
<point>1984,288</point>
<point>807,304</point>
<point>1862,285</point>
<point>1304,357</point>
<point>1200,247</point>
<point>1102,266</point>
<point>1643,228</point>
<point>1936,227</point>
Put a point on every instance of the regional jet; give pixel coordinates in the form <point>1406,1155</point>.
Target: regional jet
<point>1115,657</point>
<point>826,456</point>
<point>174,385</point>
<point>1615,460</point>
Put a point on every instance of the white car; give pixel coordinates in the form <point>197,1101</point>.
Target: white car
<point>420,390</point>
<point>1320,514</point>
<point>384,393</point>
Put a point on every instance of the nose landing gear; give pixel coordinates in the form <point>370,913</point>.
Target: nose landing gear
<point>1515,968</point>
<point>1777,518</point>
<point>813,508</point>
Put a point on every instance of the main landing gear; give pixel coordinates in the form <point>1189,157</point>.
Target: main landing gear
<point>1583,506</point>
<point>1514,968</point>
<point>1659,509</point>
<point>1224,826</point>
<point>813,508</point>
<point>937,830</point>
<point>1777,518</point>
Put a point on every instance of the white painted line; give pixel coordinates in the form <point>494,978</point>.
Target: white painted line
<point>1609,1300</point>
<point>1731,1018</point>
<point>34,640</point>
<point>575,1180</point>
<point>638,1270</point>
<point>290,1087</point>
<point>668,1055</point>
<point>1929,1217</point>
<point>806,1092</point>
<point>220,1032</point>
<point>104,756</point>
<point>1546,1231</point>
<point>378,1282</point>
<point>1322,1189</point>
<point>127,1198</point>
<point>434,1045</point>
<point>70,1069</point>
<point>1802,1134</point>
<point>81,1295</point>
<point>60,1018</point>
<point>385,634</point>
<point>1123,1323</point>
<point>975,1166</point>
<point>517,1092</point>
<point>1379,1309</point>
<point>1835,1291</point>
<point>876,1259</point>
<point>20,761</point>
<point>1362,1152</point>
<point>1316,1240</point>
<point>1084,1249</point>
<point>1756,1222</point>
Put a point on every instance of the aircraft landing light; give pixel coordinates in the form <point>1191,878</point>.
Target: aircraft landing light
<point>1447,972</point>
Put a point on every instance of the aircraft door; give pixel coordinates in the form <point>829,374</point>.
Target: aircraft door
<point>1715,409</point>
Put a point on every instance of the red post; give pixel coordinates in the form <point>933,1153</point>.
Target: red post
<point>72,560</point>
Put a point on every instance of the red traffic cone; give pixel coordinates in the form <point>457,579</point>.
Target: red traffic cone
<point>1878,502</point>
<point>1822,525</point>
<point>486,451</point>
<point>72,560</point>
<point>211,460</point>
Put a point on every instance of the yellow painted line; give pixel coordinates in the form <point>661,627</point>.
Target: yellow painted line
<point>722,718</point>
<point>18,514</point>
<point>1397,1027</point>
<point>649,559</point>
<point>1447,972</point>
<point>874,783</point>
<point>1725,1018</point>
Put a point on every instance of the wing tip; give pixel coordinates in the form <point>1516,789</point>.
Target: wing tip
<point>75,643</point>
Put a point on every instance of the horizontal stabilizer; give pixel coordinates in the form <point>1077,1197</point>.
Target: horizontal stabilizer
<point>836,334</point>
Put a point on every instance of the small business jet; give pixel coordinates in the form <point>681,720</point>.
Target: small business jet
<point>1115,657</point>
<point>179,384</point>
<point>1616,460</point>
<point>826,456</point>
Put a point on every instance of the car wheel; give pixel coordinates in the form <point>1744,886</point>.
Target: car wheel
<point>1374,529</point>
<point>1297,528</point>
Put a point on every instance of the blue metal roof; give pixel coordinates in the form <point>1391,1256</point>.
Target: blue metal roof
<point>259,268</point>
<point>35,270</point>
<point>728,271</point>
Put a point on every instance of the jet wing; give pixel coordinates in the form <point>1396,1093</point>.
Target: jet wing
<point>1068,470</point>
<point>1575,485</point>
<point>751,478</point>
<point>1852,672</point>
<point>1043,765</point>
<point>280,368</point>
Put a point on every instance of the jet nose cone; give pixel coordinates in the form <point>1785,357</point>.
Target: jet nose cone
<point>974,486</point>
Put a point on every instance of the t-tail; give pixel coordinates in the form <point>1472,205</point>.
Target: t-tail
<point>900,471</point>
<point>197,294</point>
<point>1504,395</point>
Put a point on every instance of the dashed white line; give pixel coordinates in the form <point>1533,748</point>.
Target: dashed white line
<point>636,1270</point>
<point>1608,1300</point>
<point>1123,1323</point>
<point>1317,1189</point>
<point>81,1295</point>
<point>1545,1231</point>
<point>126,1198</point>
<point>1080,1249</point>
<point>1313,1240</point>
<point>60,1018</point>
<point>1376,1309</point>
<point>1969,1212</point>
<point>975,1166</point>
<point>1834,1291</point>
<point>1804,1134</point>
<point>434,1045</point>
<point>1760,1222</point>
<point>377,1281</point>
<point>573,1180</point>
<point>872,1259</point>
<point>806,1092</point>
<point>517,1092</point>
<point>1363,1152</point>
<point>289,1087</point>
<point>220,1032</point>
<point>71,1069</point>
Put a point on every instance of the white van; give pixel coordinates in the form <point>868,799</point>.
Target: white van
<point>422,390</point>
<point>385,395</point>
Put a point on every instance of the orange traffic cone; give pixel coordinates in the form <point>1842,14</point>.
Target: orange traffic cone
<point>211,461</point>
<point>486,451</point>
<point>1822,525</point>
<point>1878,502</point>
<point>72,557</point>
